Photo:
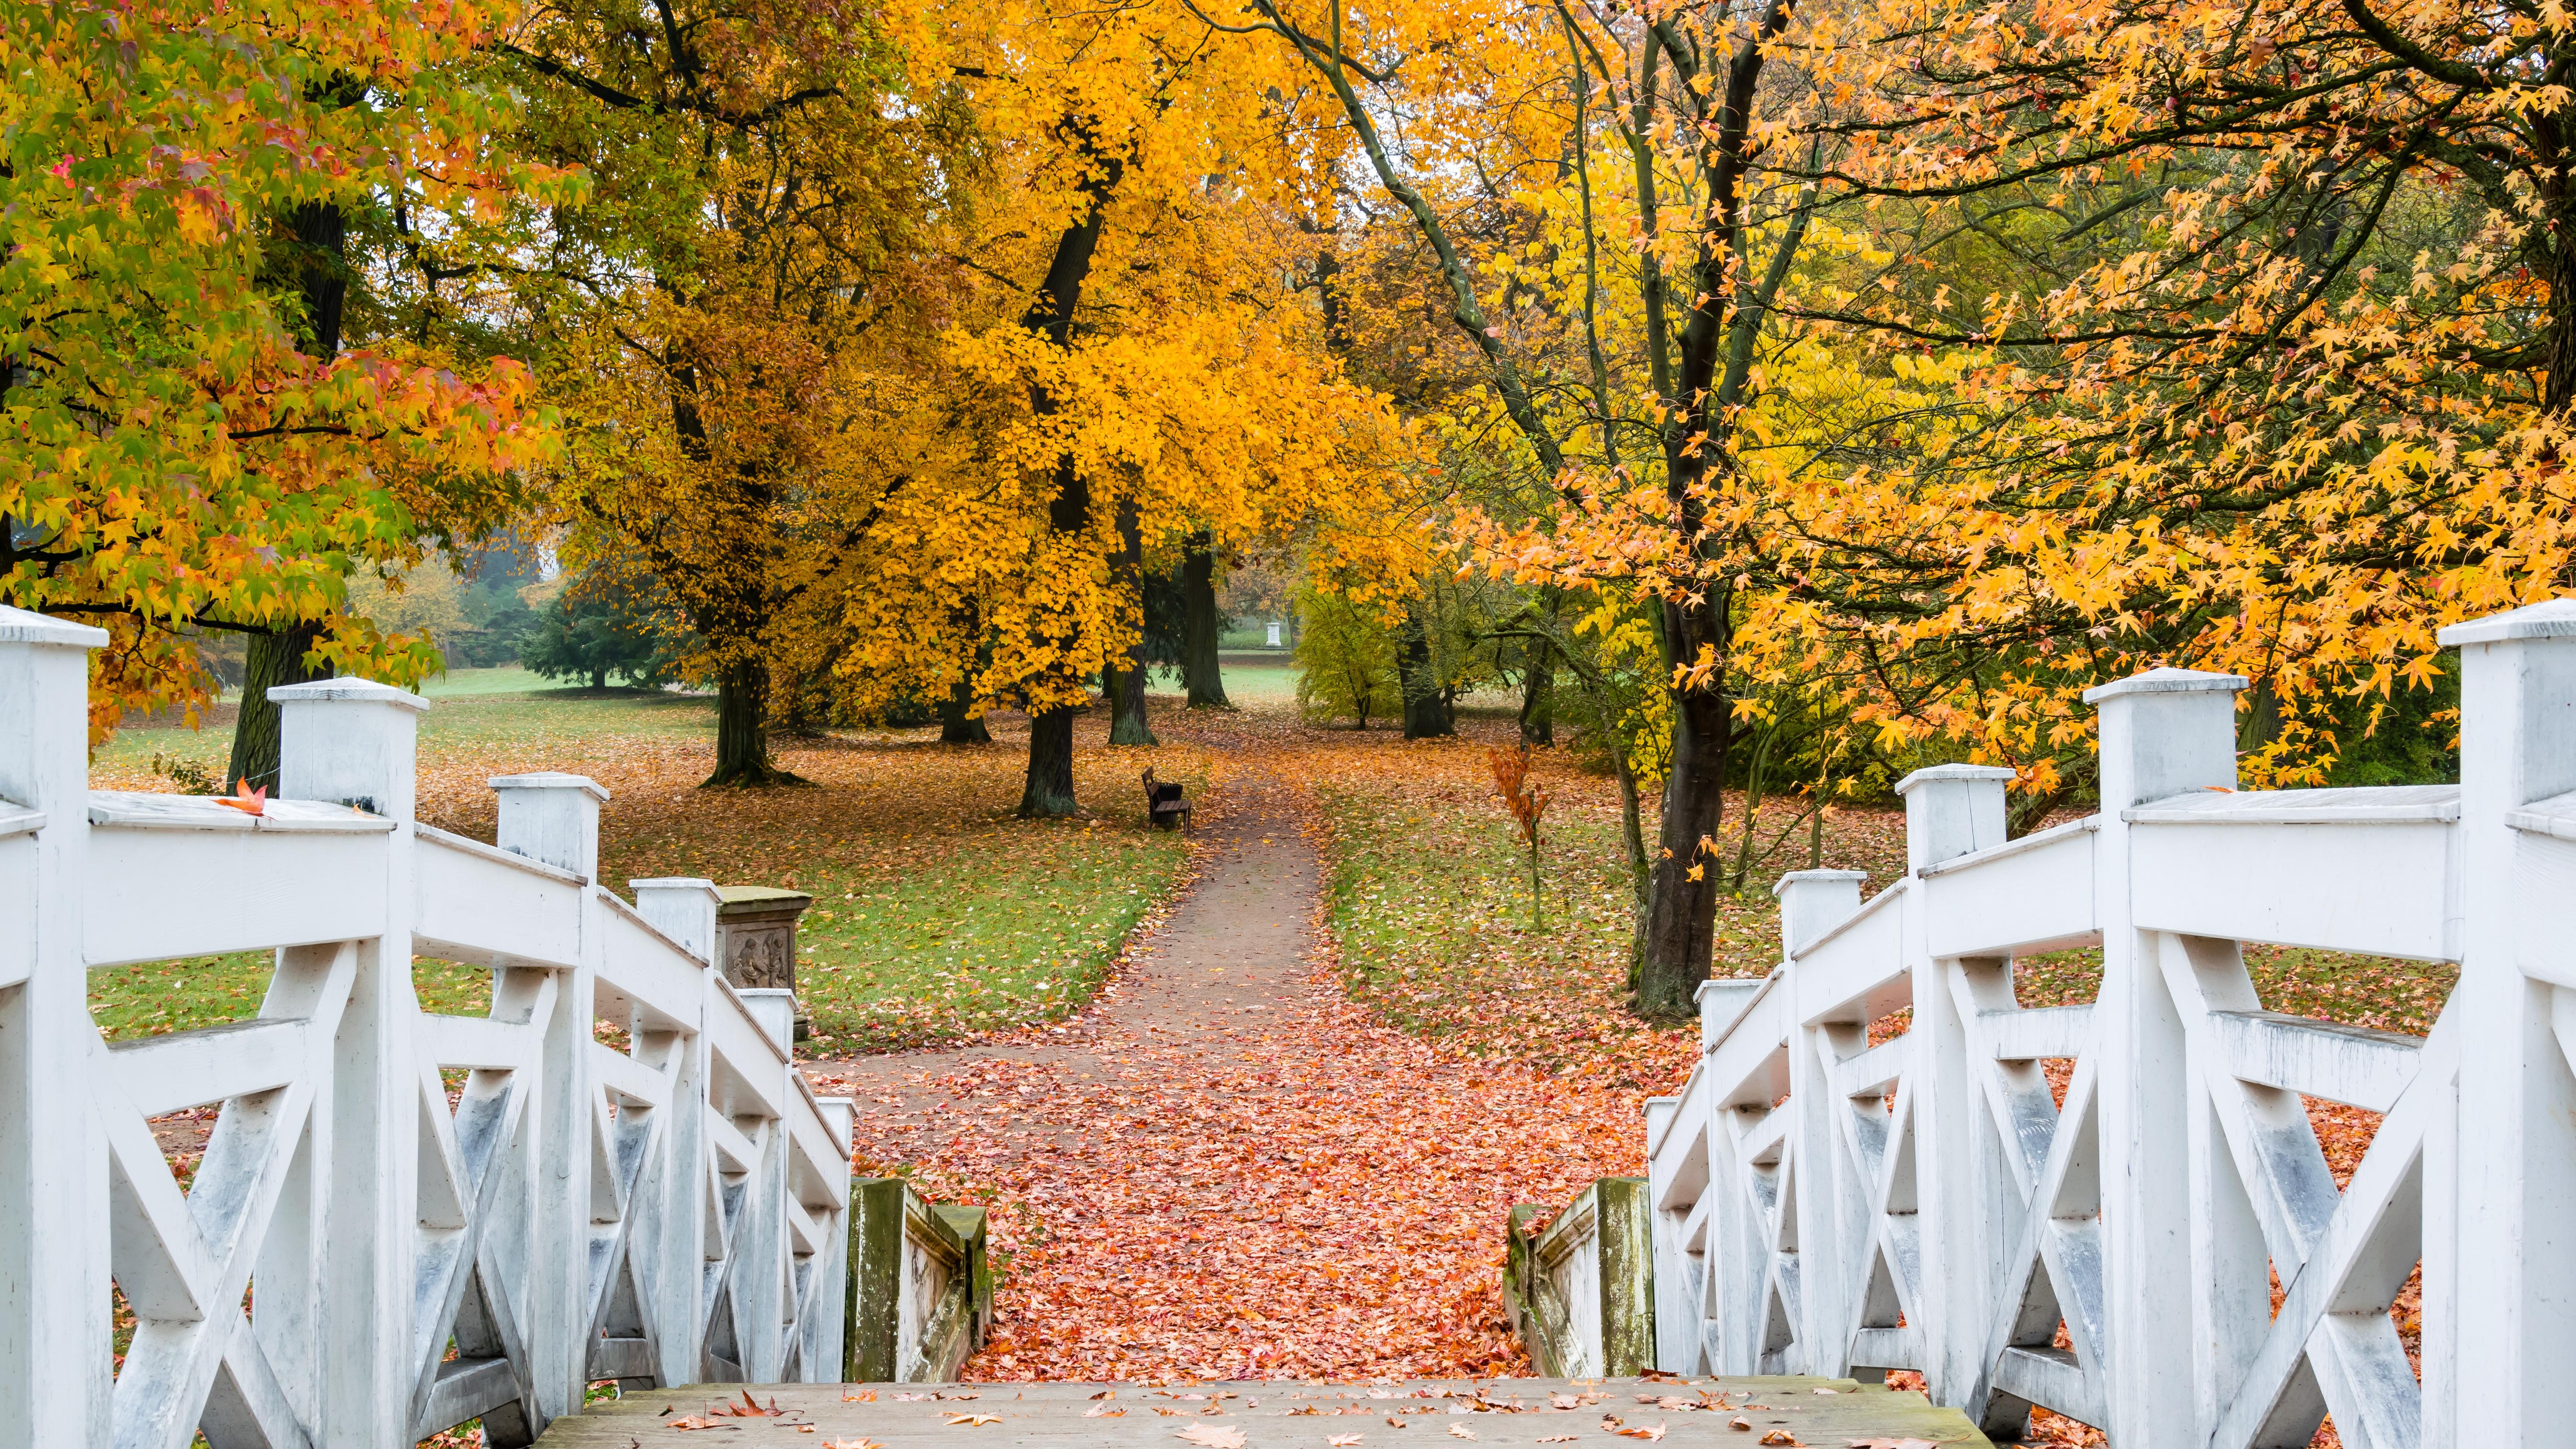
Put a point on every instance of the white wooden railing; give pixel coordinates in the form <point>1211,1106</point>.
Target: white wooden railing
<point>401,1220</point>
<point>1826,1205</point>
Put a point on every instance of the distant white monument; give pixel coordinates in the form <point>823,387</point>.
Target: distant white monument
<point>1275,627</point>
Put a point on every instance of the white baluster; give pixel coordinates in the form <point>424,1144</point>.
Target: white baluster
<point>1813,902</point>
<point>53,1161</point>
<point>1950,811</point>
<point>2496,1353</point>
<point>2166,732</point>
<point>352,741</point>
<point>553,818</point>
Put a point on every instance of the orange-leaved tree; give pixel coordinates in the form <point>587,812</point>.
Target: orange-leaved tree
<point>2255,329</point>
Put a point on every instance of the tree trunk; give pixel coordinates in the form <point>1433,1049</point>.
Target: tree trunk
<point>958,723</point>
<point>742,728</point>
<point>1049,789</point>
<point>1126,691</point>
<point>322,277</point>
<point>1538,695</point>
<point>599,679</point>
<point>1201,672</point>
<point>1426,704</point>
<point>274,658</point>
<point>1681,914</point>
<point>1125,684</point>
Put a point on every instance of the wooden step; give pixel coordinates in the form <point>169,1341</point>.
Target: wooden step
<point>1819,1413</point>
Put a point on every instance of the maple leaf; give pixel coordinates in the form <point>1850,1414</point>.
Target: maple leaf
<point>862,1442</point>
<point>1739,1423</point>
<point>1104,1411</point>
<point>1641,1431</point>
<point>246,799</point>
<point>1558,1439</point>
<point>863,1396</point>
<point>1779,1436</point>
<point>972,1420</point>
<point>1890,1444</point>
<point>1341,1441</point>
<point>1461,1431</point>
<point>1212,1436</point>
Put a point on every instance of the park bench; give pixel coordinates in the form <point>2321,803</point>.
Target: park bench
<point>1163,803</point>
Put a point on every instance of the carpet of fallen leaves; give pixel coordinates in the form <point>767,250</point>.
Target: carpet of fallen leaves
<point>1323,1202</point>
<point>1329,1200</point>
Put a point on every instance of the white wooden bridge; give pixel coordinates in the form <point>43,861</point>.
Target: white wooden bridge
<point>1829,1199</point>
<point>401,1220</point>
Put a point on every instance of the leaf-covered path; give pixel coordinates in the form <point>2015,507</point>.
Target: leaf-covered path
<point>1223,1169</point>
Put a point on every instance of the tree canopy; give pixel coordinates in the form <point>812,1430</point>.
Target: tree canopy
<point>1767,394</point>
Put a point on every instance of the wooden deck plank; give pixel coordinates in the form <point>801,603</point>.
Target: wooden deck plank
<point>1820,1413</point>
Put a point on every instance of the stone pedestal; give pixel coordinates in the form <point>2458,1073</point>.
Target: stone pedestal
<point>756,939</point>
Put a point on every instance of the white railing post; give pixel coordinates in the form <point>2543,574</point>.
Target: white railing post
<point>1950,811</point>
<point>2164,733</point>
<point>553,818</point>
<point>765,1294</point>
<point>826,1333</point>
<point>1813,902</point>
<point>352,742</point>
<point>54,1302</point>
<point>2495,1355</point>
<point>683,908</point>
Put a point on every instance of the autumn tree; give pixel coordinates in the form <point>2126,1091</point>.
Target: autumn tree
<point>2237,337</point>
<point>1125,382</point>
<point>1509,92</point>
<point>760,253</point>
<point>194,445</point>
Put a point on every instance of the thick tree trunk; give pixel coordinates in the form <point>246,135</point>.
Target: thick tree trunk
<point>1426,703</point>
<point>1201,671</point>
<point>1681,914</point>
<point>1049,788</point>
<point>1126,691</point>
<point>742,728</point>
<point>274,659</point>
<point>958,722</point>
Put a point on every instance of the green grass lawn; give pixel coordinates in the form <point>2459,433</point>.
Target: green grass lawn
<point>158,997</point>
<point>983,939</point>
<point>473,712</point>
